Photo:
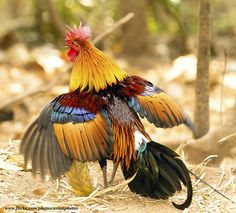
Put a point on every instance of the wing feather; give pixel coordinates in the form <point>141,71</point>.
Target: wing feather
<point>83,143</point>
<point>93,145</point>
<point>28,142</point>
<point>40,145</point>
<point>152,103</point>
<point>77,142</point>
<point>71,144</point>
<point>35,151</point>
<point>99,139</point>
<point>42,155</point>
<point>74,126</point>
<point>159,109</point>
<point>81,128</point>
<point>87,142</point>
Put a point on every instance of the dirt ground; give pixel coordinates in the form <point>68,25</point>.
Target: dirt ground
<point>22,191</point>
<point>19,190</point>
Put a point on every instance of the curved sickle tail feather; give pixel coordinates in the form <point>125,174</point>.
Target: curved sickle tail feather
<point>40,145</point>
<point>160,174</point>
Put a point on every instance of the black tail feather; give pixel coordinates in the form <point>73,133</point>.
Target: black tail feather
<point>160,172</point>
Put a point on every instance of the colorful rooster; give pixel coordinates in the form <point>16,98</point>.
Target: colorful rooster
<point>99,120</point>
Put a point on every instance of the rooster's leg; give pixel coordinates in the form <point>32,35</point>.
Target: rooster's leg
<point>104,172</point>
<point>103,165</point>
<point>115,166</point>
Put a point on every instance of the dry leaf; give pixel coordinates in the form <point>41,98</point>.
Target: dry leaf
<point>39,191</point>
<point>79,179</point>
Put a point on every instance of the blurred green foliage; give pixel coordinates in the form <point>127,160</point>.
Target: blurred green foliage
<point>172,18</point>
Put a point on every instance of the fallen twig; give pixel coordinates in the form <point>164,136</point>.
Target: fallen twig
<point>224,139</point>
<point>117,24</point>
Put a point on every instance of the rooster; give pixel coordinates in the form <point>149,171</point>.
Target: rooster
<point>99,120</point>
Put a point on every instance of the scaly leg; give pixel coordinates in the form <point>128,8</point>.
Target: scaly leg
<point>103,165</point>
<point>115,167</point>
<point>104,173</point>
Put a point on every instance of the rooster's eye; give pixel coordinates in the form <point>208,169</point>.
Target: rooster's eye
<point>76,42</point>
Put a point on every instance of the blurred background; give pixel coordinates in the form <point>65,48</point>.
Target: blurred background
<point>159,44</point>
<point>167,27</point>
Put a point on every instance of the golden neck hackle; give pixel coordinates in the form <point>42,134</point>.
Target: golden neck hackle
<point>94,71</point>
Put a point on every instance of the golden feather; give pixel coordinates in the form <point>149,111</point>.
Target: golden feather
<point>94,70</point>
<point>79,179</point>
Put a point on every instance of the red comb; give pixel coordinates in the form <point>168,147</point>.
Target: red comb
<point>80,33</point>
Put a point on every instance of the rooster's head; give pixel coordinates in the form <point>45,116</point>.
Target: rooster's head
<point>75,39</point>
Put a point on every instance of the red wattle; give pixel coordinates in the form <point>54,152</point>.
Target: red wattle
<point>72,54</point>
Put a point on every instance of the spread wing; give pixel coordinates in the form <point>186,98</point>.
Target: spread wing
<point>67,129</point>
<point>154,104</point>
<point>41,146</point>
